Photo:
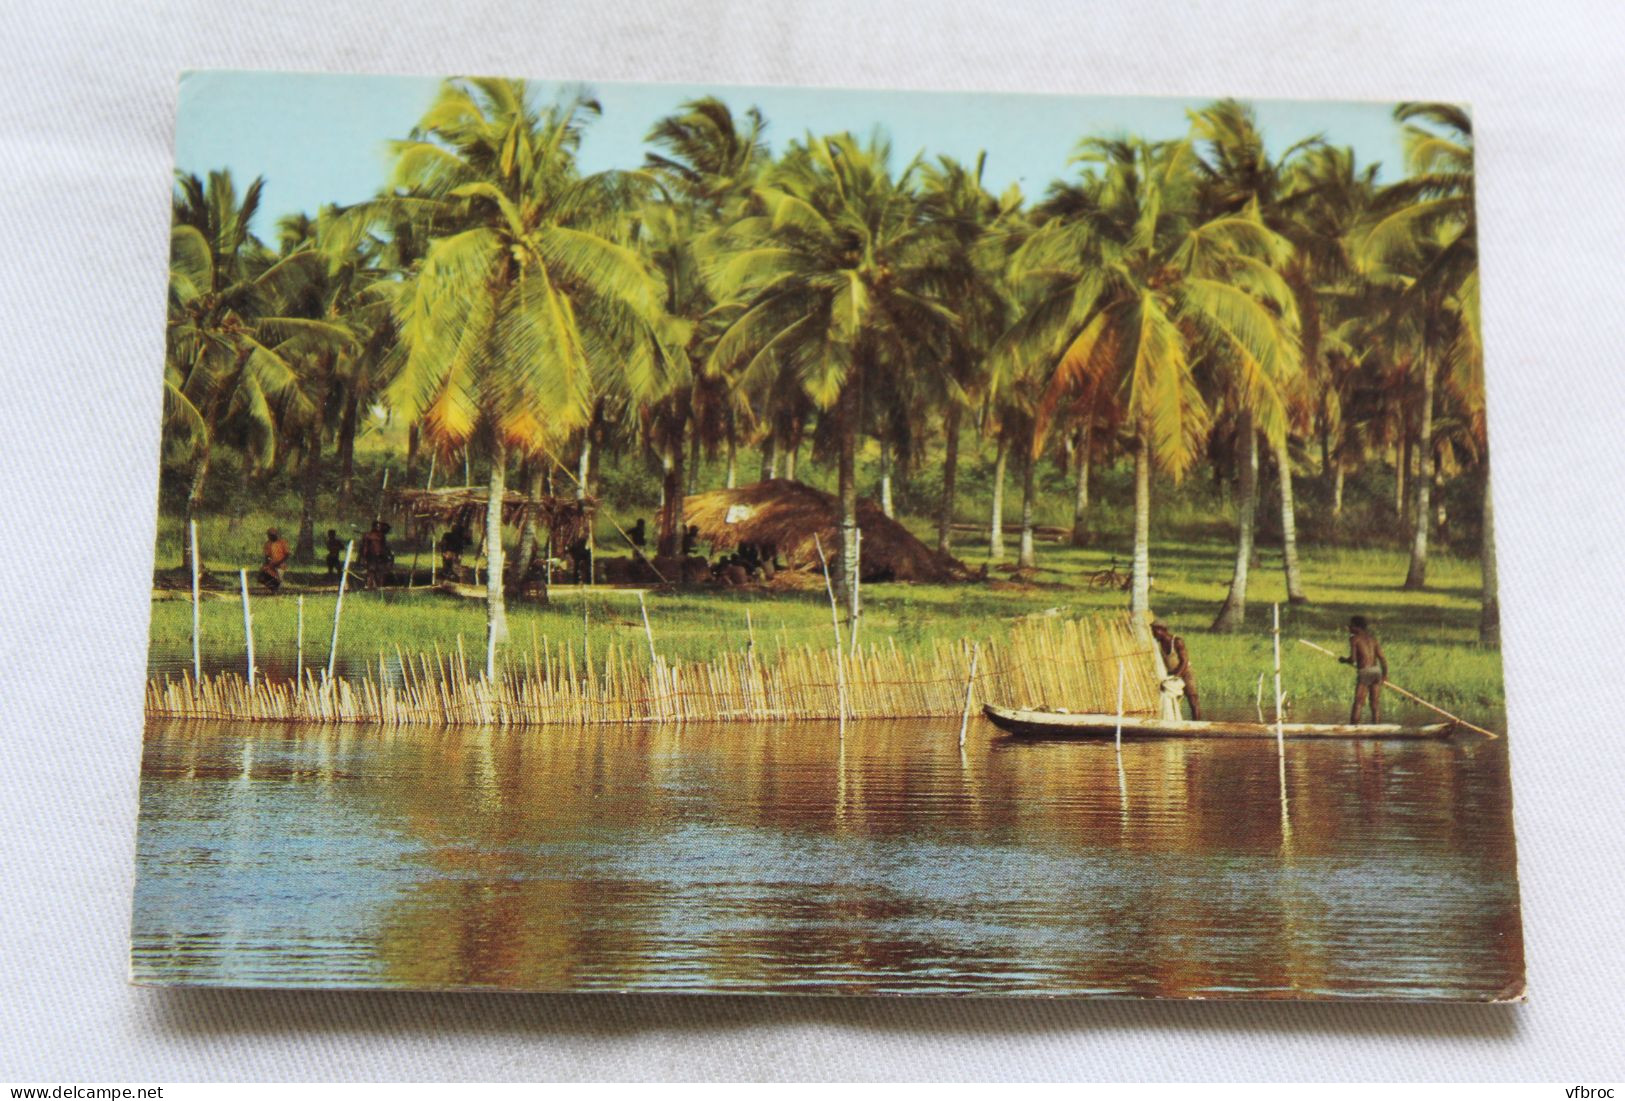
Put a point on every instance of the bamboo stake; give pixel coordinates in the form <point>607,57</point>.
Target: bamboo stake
<point>857,590</point>
<point>338,609</point>
<point>835,622</point>
<point>248,627</point>
<point>656,692</point>
<point>1280,734</point>
<point>383,488</point>
<point>1413,697</point>
<point>299,639</point>
<point>970,684</point>
<point>1119,706</point>
<point>197,623</point>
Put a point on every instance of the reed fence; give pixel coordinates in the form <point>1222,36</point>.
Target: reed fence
<point>1071,663</point>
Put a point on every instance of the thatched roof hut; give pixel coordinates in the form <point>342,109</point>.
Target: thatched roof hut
<point>788,514</point>
<point>464,506</point>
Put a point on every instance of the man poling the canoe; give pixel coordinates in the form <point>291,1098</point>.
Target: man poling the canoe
<point>1412,696</point>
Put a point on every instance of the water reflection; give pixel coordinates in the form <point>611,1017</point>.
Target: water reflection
<point>786,859</point>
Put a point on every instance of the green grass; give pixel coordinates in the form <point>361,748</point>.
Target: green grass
<point>1429,636</point>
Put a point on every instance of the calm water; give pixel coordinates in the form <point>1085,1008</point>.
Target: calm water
<point>754,859</point>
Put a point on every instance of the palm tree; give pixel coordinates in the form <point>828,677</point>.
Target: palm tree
<point>830,284</point>
<point>342,287</point>
<point>1130,287</point>
<point>1423,238</point>
<point>966,216</point>
<point>705,163</point>
<point>1237,173</point>
<point>525,297</point>
<point>229,337</point>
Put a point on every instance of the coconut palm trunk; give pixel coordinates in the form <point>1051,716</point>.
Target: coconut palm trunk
<point>310,478</point>
<point>995,526</point>
<point>194,501</point>
<point>1140,586</point>
<point>1080,499</point>
<point>1402,472</point>
<point>531,472</point>
<point>848,567</point>
<point>1289,526</point>
<point>1028,557</point>
<point>670,541</point>
<point>950,479</point>
<point>885,479</point>
<point>496,609</point>
<point>1421,513</point>
<point>770,455</point>
<point>1489,618</point>
<point>731,479</point>
<point>346,448</point>
<point>1233,614</point>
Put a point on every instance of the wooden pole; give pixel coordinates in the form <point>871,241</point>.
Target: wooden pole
<point>248,626</point>
<point>1122,777</point>
<point>383,488</point>
<point>1414,698</point>
<point>970,684</point>
<point>648,632</point>
<point>299,640</point>
<point>1119,705</point>
<point>834,622</point>
<point>857,591</point>
<point>338,609</point>
<point>197,623</point>
<point>1280,733</point>
<point>654,662</point>
<point>430,483</point>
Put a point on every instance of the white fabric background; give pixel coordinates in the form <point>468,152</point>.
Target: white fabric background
<point>85,145</point>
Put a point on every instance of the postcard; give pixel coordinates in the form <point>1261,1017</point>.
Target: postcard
<point>674,538</point>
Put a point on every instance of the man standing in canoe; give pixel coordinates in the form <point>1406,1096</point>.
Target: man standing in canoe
<point>1178,662</point>
<point>1370,668</point>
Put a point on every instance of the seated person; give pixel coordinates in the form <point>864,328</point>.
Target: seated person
<point>276,560</point>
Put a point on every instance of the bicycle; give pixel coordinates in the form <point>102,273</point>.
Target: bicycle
<point>1111,578</point>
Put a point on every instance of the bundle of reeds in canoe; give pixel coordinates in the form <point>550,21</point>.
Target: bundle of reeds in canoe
<point>1061,662</point>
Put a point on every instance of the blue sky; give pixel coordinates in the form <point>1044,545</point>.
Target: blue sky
<point>320,137</point>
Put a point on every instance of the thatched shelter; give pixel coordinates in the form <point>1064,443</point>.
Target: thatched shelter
<point>566,518</point>
<point>788,514</point>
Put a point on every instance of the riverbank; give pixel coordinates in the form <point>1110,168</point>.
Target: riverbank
<point>1430,636</point>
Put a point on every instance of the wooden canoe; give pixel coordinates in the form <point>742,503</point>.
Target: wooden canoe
<point>1061,724</point>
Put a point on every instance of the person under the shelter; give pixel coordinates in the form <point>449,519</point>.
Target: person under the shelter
<point>335,555</point>
<point>1370,668</point>
<point>276,560</point>
<point>1178,661</point>
<point>375,556</point>
<point>452,545</point>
